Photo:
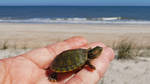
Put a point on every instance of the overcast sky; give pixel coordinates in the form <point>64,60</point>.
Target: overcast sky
<point>77,2</point>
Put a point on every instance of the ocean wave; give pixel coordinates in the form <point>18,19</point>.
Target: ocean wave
<point>103,20</point>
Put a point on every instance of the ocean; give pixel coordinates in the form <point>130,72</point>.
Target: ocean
<point>75,14</point>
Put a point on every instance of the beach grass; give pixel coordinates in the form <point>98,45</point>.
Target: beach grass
<point>126,49</point>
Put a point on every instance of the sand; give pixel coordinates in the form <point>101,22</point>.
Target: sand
<point>128,72</point>
<point>38,35</point>
<point>23,37</point>
<point>119,72</point>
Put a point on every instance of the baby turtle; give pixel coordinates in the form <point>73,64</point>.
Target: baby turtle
<point>71,60</point>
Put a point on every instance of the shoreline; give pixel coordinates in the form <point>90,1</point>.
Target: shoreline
<point>76,23</point>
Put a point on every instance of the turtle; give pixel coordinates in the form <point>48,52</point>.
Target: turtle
<point>73,59</point>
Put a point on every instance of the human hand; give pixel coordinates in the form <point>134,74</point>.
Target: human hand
<point>29,68</point>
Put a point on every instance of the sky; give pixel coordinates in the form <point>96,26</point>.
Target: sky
<point>77,2</point>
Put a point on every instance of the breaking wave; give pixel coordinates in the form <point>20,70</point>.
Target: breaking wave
<point>103,20</point>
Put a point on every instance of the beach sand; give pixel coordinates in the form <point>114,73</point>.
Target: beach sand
<point>23,37</point>
<point>38,35</point>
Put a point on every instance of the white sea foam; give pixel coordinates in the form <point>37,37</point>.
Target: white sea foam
<point>103,20</point>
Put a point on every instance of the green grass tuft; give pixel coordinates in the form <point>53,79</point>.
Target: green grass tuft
<point>5,44</point>
<point>125,49</point>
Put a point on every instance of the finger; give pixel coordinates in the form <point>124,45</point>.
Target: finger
<point>94,44</point>
<point>43,56</point>
<point>101,64</point>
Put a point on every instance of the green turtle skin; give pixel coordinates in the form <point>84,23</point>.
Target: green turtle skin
<point>70,60</point>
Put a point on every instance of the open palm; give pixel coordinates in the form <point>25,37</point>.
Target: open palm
<point>29,68</point>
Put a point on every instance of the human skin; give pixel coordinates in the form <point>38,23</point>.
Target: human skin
<point>29,68</point>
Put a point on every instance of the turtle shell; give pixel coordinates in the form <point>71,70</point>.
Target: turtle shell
<point>69,60</point>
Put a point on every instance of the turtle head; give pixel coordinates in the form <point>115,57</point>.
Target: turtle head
<point>95,52</point>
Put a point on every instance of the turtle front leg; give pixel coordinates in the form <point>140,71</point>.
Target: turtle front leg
<point>53,77</point>
<point>90,65</point>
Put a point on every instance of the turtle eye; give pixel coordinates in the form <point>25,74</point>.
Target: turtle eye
<point>95,52</point>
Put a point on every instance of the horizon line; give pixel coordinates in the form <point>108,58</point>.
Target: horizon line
<point>74,5</point>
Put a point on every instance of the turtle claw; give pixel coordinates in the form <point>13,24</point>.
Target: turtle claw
<point>53,77</point>
<point>90,65</point>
